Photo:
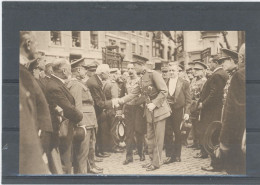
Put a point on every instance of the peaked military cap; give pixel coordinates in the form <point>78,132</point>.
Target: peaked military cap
<point>164,69</point>
<point>230,53</point>
<point>189,68</point>
<point>91,66</point>
<point>78,63</point>
<point>113,70</point>
<point>181,67</point>
<point>199,65</point>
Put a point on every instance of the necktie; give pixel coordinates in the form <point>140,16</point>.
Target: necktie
<point>172,85</point>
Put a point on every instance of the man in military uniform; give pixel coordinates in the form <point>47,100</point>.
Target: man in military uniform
<point>153,87</point>
<point>165,73</point>
<point>234,122</point>
<point>190,74</point>
<point>196,88</point>
<point>134,119</point>
<point>230,60</point>
<point>84,150</point>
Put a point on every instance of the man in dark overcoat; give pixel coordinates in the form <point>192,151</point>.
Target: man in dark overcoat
<point>96,84</point>
<point>58,96</point>
<point>211,100</point>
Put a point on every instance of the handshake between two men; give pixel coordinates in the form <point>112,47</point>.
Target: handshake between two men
<point>116,102</point>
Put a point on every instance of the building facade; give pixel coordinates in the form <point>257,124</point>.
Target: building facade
<point>89,45</point>
<point>200,45</point>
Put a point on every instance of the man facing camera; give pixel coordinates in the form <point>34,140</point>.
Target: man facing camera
<point>152,86</point>
<point>180,100</point>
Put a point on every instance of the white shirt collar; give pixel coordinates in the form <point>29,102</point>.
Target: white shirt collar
<point>216,69</point>
<point>63,81</point>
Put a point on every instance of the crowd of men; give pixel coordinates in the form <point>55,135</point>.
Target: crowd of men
<point>72,115</point>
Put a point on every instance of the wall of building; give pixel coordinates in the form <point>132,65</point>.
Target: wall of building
<point>129,42</point>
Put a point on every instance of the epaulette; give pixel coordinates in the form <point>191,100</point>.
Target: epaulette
<point>150,70</point>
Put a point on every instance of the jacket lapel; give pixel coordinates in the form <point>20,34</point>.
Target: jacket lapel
<point>65,89</point>
<point>178,88</point>
<point>99,82</point>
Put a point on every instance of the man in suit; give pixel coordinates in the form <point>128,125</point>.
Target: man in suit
<point>153,88</point>
<point>96,84</point>
<point>210,103</point>
<point>35,120</point>
<point>180,100</point>
<point>58,95</point>
<point>84,150</point>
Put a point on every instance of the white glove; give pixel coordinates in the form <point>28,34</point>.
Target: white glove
<point>151,106</point>
<point>186,117</point>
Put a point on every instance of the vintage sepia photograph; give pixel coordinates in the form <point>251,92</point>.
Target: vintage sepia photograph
<point>132,103</point>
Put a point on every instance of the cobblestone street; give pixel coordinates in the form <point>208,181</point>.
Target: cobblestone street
<point>188,166</point>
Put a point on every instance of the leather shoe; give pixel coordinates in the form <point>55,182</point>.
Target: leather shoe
<point>95,171</point>
<point>177,159</point>
<point>127,161</point>
<point>151,168</point>
<point>201,156</point>
<point>98,160</point>
<point>142,157</point>
<point>146,165</point>
<point>168,160</point>
<point>210,169</point>
<point>98,168</point>
<point>118,150</point>
<point>104,154</point>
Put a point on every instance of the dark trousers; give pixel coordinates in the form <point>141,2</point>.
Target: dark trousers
<point>66,150</point>
<point>135,123</point>
<point>173,126</point>
<point>102,139</point>
<point>112,126</point>
<point>195,130</point>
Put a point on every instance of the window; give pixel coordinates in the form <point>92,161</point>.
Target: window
<point>141,50</point>
<point>133,31</point>
<point>122,47</point>
<point>133,48</point>
<point>147,51</point>
<point>147,34</point>
<point>140,32</point>
<point>94,39</point>
<point>56,38</point>
<point>169,53</point>
<point>158,49</point>
<point>76,39</point>
<point>112,42</point>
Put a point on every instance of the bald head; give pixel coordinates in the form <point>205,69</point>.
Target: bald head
<point>61,68</point>
<point>28,45</point>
